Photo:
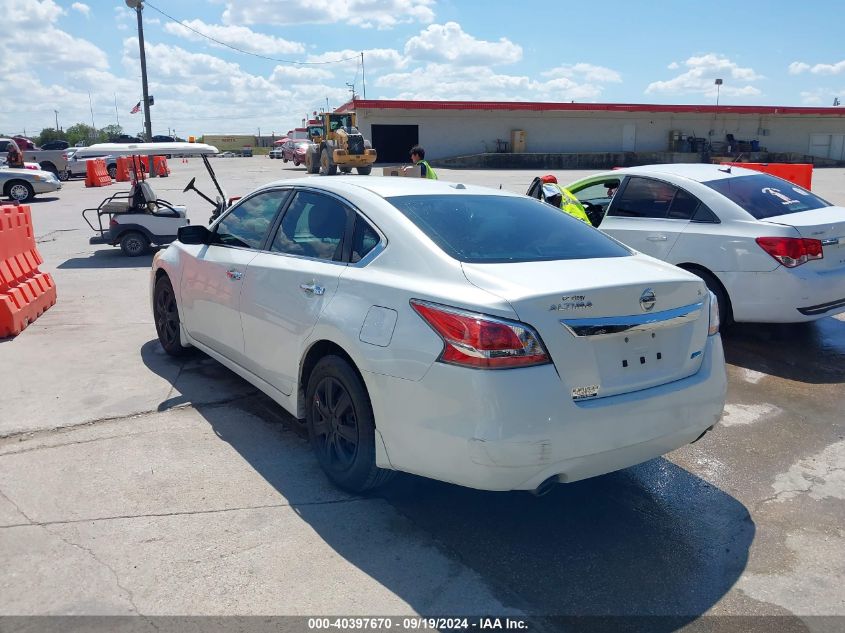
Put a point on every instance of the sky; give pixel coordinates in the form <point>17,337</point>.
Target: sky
<point>306,55</point>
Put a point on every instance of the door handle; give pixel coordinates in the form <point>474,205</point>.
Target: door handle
<point>234,275</point>
<point>313,289</point>
<point>657,237</point>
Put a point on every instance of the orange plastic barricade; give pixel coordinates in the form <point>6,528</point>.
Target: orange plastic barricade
<point>799,173</point>
<point>122,169</point>
<point>159,163</point>
<point>96,174</point>
<point>25,292</point>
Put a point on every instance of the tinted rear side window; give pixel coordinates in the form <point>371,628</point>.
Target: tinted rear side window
<point>496,229</point>
<point>764,196</point>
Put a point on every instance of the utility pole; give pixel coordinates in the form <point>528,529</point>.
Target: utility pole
<point>93,125</point>
<point>57,120</point>
<point>363,76</point>
<point>116,115</point>
<point>138,5</point>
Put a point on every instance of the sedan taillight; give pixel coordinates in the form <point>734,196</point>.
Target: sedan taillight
<point>480,341</point>
<point>791,251</point>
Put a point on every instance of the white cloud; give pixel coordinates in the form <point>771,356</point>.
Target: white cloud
<point>796,68</point>
<point>449,43</point>
<point>673,66</point>
<point>380,14</point>
<point>237,36</point>
<point>700,76</point>
<point>299,74</point>
<point>84,9</point>
<point>375,59</point>
<point>813,97</point>
<point>448,82</point>
<point>584,71</point>
<point>828,69</point>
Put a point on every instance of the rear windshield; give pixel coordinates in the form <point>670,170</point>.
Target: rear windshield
<point>497,229</point>
<point>765,196</point>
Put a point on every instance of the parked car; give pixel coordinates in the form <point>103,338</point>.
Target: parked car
<point>295,150</point>
<point>78,165</point>
<point>22,185</point>
<point>226,155</point>
<point>466,334</point>
<point>276,152</point>
<point>125,138</point>
<point>163,138</point>
<point>771,251</point>
<point>57,144</point>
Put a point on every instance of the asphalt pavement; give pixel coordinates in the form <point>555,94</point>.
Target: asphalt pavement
<point>134,483</point>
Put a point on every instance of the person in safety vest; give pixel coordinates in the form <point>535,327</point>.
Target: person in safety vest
<point>418,158</point>
<point>568,202</point>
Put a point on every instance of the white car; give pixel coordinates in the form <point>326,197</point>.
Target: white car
<point>770,250</point>
<point>461,333</point>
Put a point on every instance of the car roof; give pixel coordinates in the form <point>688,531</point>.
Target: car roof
<point>698,172</point>
<point>390,186</point>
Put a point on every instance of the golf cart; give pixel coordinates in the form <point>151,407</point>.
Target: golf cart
<point>138,218</point>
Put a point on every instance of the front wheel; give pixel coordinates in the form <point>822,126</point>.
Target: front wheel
<point>341,426</point>
<point>327,167</point>
<point>166,316</point>
<point>134,243</point>
<point>364,171</point>
<point>64,175</point>
<point>112,169</point>
<point>20,191</point>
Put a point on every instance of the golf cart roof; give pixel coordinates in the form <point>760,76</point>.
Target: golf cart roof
<point>146,149</point>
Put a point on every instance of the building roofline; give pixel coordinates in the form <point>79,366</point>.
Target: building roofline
<point>529,106</point>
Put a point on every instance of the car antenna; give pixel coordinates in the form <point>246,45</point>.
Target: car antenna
<point>727,168</point>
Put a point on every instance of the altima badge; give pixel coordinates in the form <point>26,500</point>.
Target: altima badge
<point>572,302</point>
<point>580,393</point>
<point>647,300</point>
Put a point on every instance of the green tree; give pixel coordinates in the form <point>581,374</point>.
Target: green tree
<point>49,134</point>
<point>80,132</point>
<point>109,133</point>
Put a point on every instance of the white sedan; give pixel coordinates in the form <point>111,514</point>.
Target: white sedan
<point>770,250</point>
<point>465,334</point>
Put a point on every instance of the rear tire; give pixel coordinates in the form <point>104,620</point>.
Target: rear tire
<point>112,169</point>
<point>715,286</point>
<point>166,317</point>
<point>64,176</point>
<point>346,170</point>
<point>364,171</point>
<point>134,243</point>
<point>341,426</point>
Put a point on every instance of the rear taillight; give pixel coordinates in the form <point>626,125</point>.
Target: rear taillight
<point>484,342</point>
<point>112,223</point>
<point>713,328</point>
<point>791,251</point>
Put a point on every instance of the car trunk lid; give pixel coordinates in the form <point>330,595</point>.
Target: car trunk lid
<point>607,329</point>
<point>826,225</point>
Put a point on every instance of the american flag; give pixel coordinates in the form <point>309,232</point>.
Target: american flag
<point>136,109</point>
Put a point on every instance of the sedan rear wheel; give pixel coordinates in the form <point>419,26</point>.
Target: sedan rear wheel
<point>341,426</point>
<point>715,286</point>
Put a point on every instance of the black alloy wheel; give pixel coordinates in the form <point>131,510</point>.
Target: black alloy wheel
<point>166,316</point>
<point>341,427</point>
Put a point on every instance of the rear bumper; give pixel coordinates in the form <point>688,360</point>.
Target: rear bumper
<point>786,295</point>
<point>342,157</point>
<point>514,429</point>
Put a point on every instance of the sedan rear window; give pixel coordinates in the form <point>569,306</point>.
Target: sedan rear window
<point>765,196</point>
<point>499,229</point>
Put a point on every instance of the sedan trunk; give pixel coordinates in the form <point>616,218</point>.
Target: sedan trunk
<point>609,329</point>
<point>827,225</point>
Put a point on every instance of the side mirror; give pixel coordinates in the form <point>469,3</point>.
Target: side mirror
<point>194,234</point>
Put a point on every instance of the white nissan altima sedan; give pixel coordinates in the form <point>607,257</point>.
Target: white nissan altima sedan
<point>465,334</point>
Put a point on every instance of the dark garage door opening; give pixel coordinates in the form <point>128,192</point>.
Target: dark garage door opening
<point>394,142</point>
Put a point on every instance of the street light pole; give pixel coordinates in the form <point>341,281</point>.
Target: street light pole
<point>138,5</point>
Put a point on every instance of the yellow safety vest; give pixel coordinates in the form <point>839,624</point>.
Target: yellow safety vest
<point>572,206</point>
<point>429,172</point>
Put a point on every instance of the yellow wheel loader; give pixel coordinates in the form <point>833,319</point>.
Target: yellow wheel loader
<point>340,147</point>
